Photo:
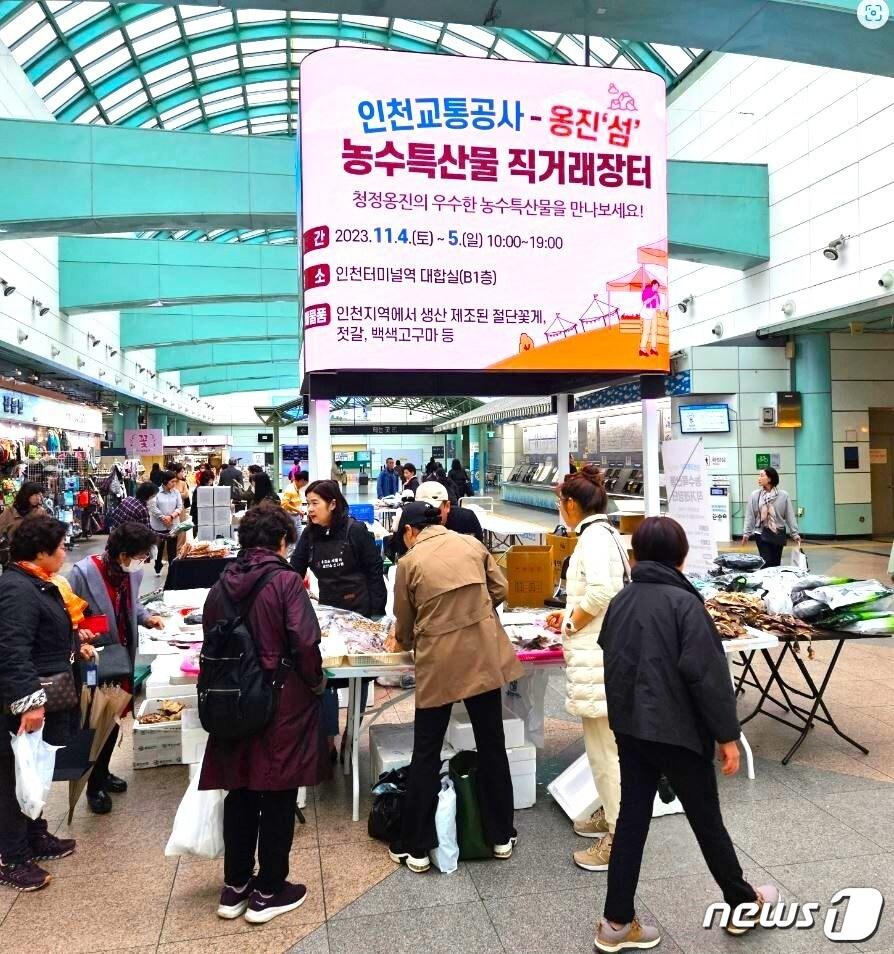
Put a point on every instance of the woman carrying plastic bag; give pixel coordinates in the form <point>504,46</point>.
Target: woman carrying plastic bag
<point>198,825</point>
<point>35,761</point>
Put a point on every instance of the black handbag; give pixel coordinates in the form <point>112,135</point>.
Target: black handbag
<point>775,538</point>
<point>113,664</point>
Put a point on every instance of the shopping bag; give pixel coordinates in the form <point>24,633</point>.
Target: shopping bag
<point>386,814</point>
<point>34,760</point>
<point>799,560</point>
<point>198,825</point>
<point>446,856</point>
<point>469,825</point>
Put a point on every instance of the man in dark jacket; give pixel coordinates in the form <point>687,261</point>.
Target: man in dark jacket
<point>670,701</point>
<point>458,519</point>
<point>231,474</point>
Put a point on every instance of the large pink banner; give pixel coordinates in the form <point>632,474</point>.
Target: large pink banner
<point>466,214</point>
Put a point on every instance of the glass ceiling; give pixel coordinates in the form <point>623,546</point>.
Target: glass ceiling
<point>215,70</point>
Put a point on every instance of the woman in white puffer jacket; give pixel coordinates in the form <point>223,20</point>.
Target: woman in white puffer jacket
<point>597,570</point>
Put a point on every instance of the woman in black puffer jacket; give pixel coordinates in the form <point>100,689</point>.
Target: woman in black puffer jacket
<point>39,616</point>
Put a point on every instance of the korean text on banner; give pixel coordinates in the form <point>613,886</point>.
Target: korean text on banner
<point>144,443</point>
<point>482,214</point>
<point>689,500</point>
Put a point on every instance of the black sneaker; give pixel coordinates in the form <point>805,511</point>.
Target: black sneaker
<point>265,907</point>
<point>115,785</point>
<point>24,876</point>
<point>234,901</point>
<point>47,847</point>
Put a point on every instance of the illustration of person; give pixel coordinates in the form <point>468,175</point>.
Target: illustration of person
<point>525,343</point>
<point>651,301</point>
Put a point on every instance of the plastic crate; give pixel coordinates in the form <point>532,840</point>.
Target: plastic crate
<point>364,512</point>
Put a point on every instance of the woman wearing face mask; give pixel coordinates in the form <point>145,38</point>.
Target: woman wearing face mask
<point>110,584</point>
<point>597,570</point>
<point>342,554</point>
<point>770,513</point>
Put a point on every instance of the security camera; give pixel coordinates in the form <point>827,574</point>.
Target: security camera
<point>685,303</point>
<point>833,250</point>
<point>717,330</point>
<point>887,280</point>
<point>788,309</point>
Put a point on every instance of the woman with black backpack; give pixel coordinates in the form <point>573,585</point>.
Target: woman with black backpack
<point>343,556</point>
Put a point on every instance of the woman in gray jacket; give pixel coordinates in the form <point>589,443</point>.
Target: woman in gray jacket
<point>770,516</point>
<point>110,583</point>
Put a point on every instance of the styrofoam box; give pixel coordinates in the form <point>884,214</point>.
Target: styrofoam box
<point>205,514</point>
<point>523,767</point>
<point>223,515</point>
<point>222,496</point>
<point>391,747</point>
<point>370,696</point>
<point>223,530</point>
<point>576,793</point>
<point>160,744</point>
<point>193,737</point>
<point>205,496</point>
<point>461,736</point>
<point>205,532</point>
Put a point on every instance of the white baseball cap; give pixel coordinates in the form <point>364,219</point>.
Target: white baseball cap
<point>431,492</point>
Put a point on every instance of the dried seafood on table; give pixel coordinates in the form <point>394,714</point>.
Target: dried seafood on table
<point>734,613</point>
<point>531,637</point>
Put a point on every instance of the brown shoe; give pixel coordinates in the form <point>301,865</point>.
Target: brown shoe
<point>629,937</point>
<point>595,858</point>
<point>593,827</point>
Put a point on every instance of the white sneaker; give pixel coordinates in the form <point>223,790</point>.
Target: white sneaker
<point>416,865</point>
<point>504,852</point>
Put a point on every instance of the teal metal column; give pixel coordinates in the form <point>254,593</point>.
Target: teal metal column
<point>457,447</point>
<point>814,460</point>
<point>482,458</point>
<point>131,418</point>
<point>117,428</point>
<point>158,421</point>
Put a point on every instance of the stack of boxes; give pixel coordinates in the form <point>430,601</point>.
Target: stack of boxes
<point>214,513</point>
<point>391,747</point>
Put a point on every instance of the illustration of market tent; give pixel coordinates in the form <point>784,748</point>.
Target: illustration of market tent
<point>653,254</point>
<point>633,282</point>
<point>599,314</point>
<point>561,328</point>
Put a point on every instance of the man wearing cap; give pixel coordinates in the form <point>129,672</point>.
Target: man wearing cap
<point>458,519</point>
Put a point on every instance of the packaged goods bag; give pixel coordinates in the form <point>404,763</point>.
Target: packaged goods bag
<point>35,761</point>
<point>469,824</point>
<point>386,813</point>
<point>446,856</point>
<point>799,560</point>
<point>198,825</point>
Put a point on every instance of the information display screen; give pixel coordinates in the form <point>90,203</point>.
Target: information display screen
<point>704,419</point>
<point>469,214</point>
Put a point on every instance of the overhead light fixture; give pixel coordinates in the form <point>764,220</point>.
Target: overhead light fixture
<point>117,379</point>
<point>93,341</point>
<point>686,303</point>
<point>7,288</point>
<point>110,351</point>
<point>788,309</point>
<point>42,309</point>
<point>833,250</point>
<point>887,280</point>
<point>133,387</point>
<point>152,375</point>
<point>158,303</point>
<point>102,373</point>
<point>21,335</point>
<point>54,351</point>
<point>81,362</point>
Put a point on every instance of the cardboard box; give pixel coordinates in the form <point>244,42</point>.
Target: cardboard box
<point>562,547</point>
<point>530,573</point>
<point>160,744</point>
<point>461,736</point>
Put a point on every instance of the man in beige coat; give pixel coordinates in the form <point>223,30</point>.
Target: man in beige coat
<point>445,597</point>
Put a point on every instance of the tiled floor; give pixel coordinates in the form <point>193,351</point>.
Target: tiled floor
<point>819,824</point>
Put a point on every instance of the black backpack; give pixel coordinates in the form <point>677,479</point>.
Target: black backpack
<point>237,698</point>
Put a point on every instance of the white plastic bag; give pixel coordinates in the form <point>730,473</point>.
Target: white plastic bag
<point>35,761</point>
<point>198,825</point>
<point>446,856</point>
<point>799,560</point>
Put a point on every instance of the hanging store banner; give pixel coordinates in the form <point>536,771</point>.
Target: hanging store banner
<point>465,214</point>
<point>147,442</point>
<point>689,500</point>
<point>34,409</point>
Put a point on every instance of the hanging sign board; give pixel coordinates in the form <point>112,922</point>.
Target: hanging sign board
<point>144,443</point>
<point>450,210</point>
<point>878,455</point>
<point>689,500</point>
<point>720,511</point>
